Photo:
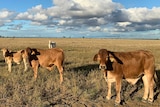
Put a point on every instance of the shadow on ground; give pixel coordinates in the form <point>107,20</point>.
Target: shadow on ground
<point>157,89</point>
<point>2,63</point>
<point>86,69</point>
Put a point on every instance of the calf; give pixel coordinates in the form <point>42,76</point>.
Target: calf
<point>16,57</point>
<point>45,58</point>
<point>130,66</point>
<point>51,44</point>
<point>4,51</point>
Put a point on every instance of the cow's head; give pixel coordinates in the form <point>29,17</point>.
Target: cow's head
<point>7,52</point>
<point>31,51</point>
<point>105,59</point>
<point>4,51</point>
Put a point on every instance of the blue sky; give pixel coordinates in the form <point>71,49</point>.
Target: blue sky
<point>139,3</point>
<point>80,18</point>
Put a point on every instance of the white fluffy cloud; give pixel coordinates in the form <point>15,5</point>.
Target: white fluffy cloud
<point>78,13</point>
<point>139,19</point>
<point>94,15</point>
<point>143,14</point>
<point>6,16</point>
<point>37,13</point>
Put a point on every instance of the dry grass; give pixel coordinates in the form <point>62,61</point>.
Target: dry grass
<point>83,85</point>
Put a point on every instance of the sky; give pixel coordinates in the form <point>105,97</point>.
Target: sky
<point>80,18</point>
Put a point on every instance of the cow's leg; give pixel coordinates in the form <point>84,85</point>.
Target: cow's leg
<point>25,64</point>
<point>146,88</point>
<point>35,66</point>
<point>105,75</point>
<point>9,65</point>
<point>109,84</point>
<point>118,90</point>
<point>60,69</point>
<point>49,68</point>
<point>108,97</point>
<point>9,62</point>
<point>151,90</point>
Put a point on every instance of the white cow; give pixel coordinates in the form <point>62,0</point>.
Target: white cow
<point>51,44</point>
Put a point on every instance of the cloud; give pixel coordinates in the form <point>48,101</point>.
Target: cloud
<point>136,19</point>
<point>15,27</point>
<point>97,28</point>
<point>71,13</point>
<point>36,13</point>
<point>93,15</point>
<point>80,9</point>
<point>143,14</point>
<point>6,16</point>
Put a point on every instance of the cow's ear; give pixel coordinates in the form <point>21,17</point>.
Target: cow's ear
<point>95,57</point>
<point>28,50</point>
<point>22,51</point>
<point>112,59</point>
<point>33,53</point>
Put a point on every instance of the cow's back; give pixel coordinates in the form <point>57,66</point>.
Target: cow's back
<point>133,64</point>
<point>50,56</point>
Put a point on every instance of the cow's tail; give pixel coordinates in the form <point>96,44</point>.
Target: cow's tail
<point>155,77</point>
<point>156,81</point>
<point>63,56</point>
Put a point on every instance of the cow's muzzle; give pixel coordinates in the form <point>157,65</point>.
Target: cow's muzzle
<point>103,67</point>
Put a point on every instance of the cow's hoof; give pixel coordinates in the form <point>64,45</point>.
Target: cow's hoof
<point>108,98</point>
<point>150,101</point>
<point>116,104</point>
<point>143,100</point>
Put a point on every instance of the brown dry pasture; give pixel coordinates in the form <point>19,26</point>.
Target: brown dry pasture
<point>83,86</point>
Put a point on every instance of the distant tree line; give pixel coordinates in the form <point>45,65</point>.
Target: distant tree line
<point>6,36</point>
<point>1,36</point>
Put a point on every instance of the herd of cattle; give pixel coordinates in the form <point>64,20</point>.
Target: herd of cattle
<point>116,66</point>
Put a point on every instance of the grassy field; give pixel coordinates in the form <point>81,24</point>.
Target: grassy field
<point>83,84</point>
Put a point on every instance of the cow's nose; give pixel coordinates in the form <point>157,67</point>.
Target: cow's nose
<point>102,67</point>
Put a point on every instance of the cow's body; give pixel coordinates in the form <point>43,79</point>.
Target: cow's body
<point>45,58</point>
<point>16,57</point>
<point>130,66</point>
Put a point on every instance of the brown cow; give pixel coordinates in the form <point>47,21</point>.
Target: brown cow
<point>11,57</point>
<point>130,66</point>
<point>45,58</point>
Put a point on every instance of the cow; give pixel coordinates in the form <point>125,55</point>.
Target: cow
<point>45,58</point>
<point>51,44</point>
<point>4,51</point>
<point>16,57</point>
<point>130,66</point>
